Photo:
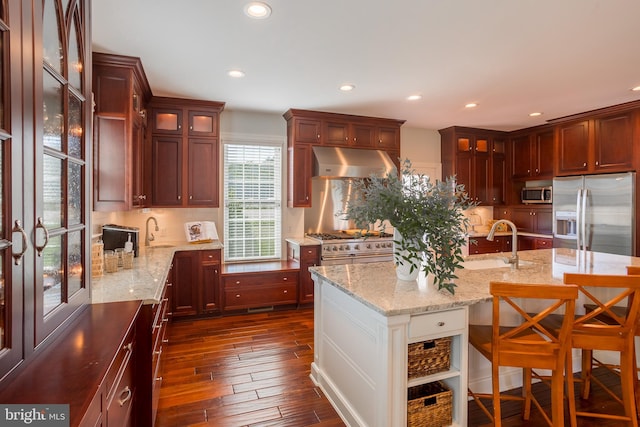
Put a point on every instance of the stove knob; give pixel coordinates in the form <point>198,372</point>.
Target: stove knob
<point>340,248</point>
<point>334,249</point>
<point>356,247</point>
<point>377,245</point>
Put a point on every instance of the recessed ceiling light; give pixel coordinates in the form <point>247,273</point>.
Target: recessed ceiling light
<point>414,97</point>
<point>347,87</point>
<point>471,105</point>
<point>636,89</point>
<point>236,73</point>
<point>257,10</point>
<point>535,114</point>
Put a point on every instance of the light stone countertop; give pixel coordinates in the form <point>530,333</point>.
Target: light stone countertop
<point>303,241</point>
<point>376,285</point>
<point>146,279</point>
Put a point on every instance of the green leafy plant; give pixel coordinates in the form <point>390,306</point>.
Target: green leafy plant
<point>428,215</point>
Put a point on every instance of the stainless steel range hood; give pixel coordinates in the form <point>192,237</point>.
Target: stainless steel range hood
<point>337,162</point>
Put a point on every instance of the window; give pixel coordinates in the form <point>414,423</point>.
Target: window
<point>252,201</point>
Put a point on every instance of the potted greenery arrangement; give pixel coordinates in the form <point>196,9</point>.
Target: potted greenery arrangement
<point>428,220</point>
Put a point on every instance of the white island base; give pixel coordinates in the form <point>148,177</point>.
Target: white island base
<point>360,357</point>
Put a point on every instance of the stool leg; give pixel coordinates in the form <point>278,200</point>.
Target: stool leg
<point>557,397</point>
<point>526,393</point>
<point>571,395</point>
<point>587,356</point>
<point>497,414</point>
<point>627,375</point>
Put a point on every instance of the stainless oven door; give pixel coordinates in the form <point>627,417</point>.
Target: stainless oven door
<point>363,259</point>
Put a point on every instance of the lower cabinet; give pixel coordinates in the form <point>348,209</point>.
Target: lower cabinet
<point>91,367</point>
<point>526,243</point>
<point>484,246</point>
<point>307,256</point>
<point>196,287</point>
<point>259,285</point>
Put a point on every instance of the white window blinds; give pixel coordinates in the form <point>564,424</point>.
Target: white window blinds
<point>252,207</point>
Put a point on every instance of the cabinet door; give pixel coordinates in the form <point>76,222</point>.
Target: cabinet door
<point>166,169</point>
<point>573,148</point>
<point>309,257</point>
<point>306,130</point>
<point>336,133</point>
<point>544,154</point>
<point>523,219</point>
<point>167,121</point>
<point>210,281</point>
<point>388,138</point>
<point>614,143</point>
<point>138,190</point>
<point>521,156</point>
<point>203,123</point>
<point>61,207</point>
<point>299,188</point>
<point>111,155</point>
<point>543,221</point>
<point>203,172</point>
<point>481,170</point>
<point>186,266</point>
<point>498,173</point>
<point>363,135</point>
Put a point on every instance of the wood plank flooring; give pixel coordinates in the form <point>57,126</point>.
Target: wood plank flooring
<point>253,370</point>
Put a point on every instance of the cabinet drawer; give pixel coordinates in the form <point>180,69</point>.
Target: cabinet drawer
<point>210,256</point>
<point>438,323</point>
<point>309,253</point>
<point>122,358</point>
<point>119,409</point>
<point>261,296</point>
<point>263,279</point>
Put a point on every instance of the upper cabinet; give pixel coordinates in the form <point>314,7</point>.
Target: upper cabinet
<point>185,151</point>
<point>532,154</point>
<point>308,128</point>
<point>121,93</point>
<point>597,144</point>
<point>477,158</point>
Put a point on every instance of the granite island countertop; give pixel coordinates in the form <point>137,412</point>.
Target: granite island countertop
<point>146,279</point>
<point>376,285</point>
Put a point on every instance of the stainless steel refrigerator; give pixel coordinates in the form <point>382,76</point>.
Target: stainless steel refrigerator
<point>595,212</point>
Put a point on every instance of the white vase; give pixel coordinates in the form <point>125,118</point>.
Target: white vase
<point>403,268</point>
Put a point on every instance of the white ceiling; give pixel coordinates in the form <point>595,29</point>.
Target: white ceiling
<point>512,57</point>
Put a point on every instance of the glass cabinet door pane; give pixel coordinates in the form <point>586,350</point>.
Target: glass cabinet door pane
<point>53,274</point>
<point>74,262</point>
<point>53,196</point>
<point>74,184</point>
<point>51,36</point>
<point>202,123</point>
<point>75,59</point>
<point>52,112</point>
<point>74,135</point>
<point>166,121</point>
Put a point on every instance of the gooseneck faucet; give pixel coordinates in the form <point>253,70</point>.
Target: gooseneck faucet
<point>149,237</point>
<point>514,240</point>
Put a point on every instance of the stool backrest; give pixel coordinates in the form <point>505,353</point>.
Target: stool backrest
<point>530,344</point>
<point>620,290</point>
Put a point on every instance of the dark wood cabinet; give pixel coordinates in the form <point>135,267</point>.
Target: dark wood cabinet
<point>307,256</point>
<point>185,152</point>
<point>306,129</point>
<point>598,144</point>
<point>484,246</point>
<point>259,285</point>
<point>196,284</point>
<point>121,93</point>
<point>532,154</point>
<point>533,219</point>
<point>476,157</point>
<point>527,243</point>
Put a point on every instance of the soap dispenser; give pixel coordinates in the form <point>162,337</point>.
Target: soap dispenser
<point>128,245</point>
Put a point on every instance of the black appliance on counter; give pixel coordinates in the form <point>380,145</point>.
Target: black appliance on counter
<point>115,236</point>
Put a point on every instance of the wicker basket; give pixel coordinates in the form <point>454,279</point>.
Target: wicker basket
<point>429,405</point>
<point>429,357</point>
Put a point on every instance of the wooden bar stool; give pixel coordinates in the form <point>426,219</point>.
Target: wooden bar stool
<point>591,332</point>
<point>527,345</point>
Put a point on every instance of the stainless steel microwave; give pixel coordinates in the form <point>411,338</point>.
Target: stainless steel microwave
<point>537,195</point>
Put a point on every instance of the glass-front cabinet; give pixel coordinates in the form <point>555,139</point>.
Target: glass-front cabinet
<point>60,237</point>
<point>45,111</point>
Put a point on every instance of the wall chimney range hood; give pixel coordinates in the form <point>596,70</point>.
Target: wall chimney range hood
<point>338,162</point>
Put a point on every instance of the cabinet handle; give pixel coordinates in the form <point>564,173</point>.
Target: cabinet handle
<point>597,163</point>
<point>179,127</point>
<point>318,136</point>
<point>127,347</point>
<point>237,282</point>
<point>179,197</point>
<point>40,224</point>
<point>191,127</point>
<point>125,396</point>
<point>158,378</point>
<point>169,285</point>
<point>165,341</point>
<point>237,295</point>
<point>584,164</point>
<point>284,279</point>
<point>17,228</point>
<point>190,197</point>
<point>165,299</point>
<point>440,324</point>
<point>210,256</point>
<point>285,291</point>
<point>158,352</point>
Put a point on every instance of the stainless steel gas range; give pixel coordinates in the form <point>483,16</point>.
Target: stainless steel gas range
<point>345,248</point>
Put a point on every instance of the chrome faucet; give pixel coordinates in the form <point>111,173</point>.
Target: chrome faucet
<point>514,244</point>
<point>149,237</point>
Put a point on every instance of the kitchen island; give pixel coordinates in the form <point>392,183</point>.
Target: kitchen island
<point>365,319</point>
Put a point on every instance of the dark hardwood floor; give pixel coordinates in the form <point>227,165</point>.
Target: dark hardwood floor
<point>253,370</point>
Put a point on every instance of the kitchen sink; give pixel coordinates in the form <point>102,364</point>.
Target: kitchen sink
<point>482,264</point>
